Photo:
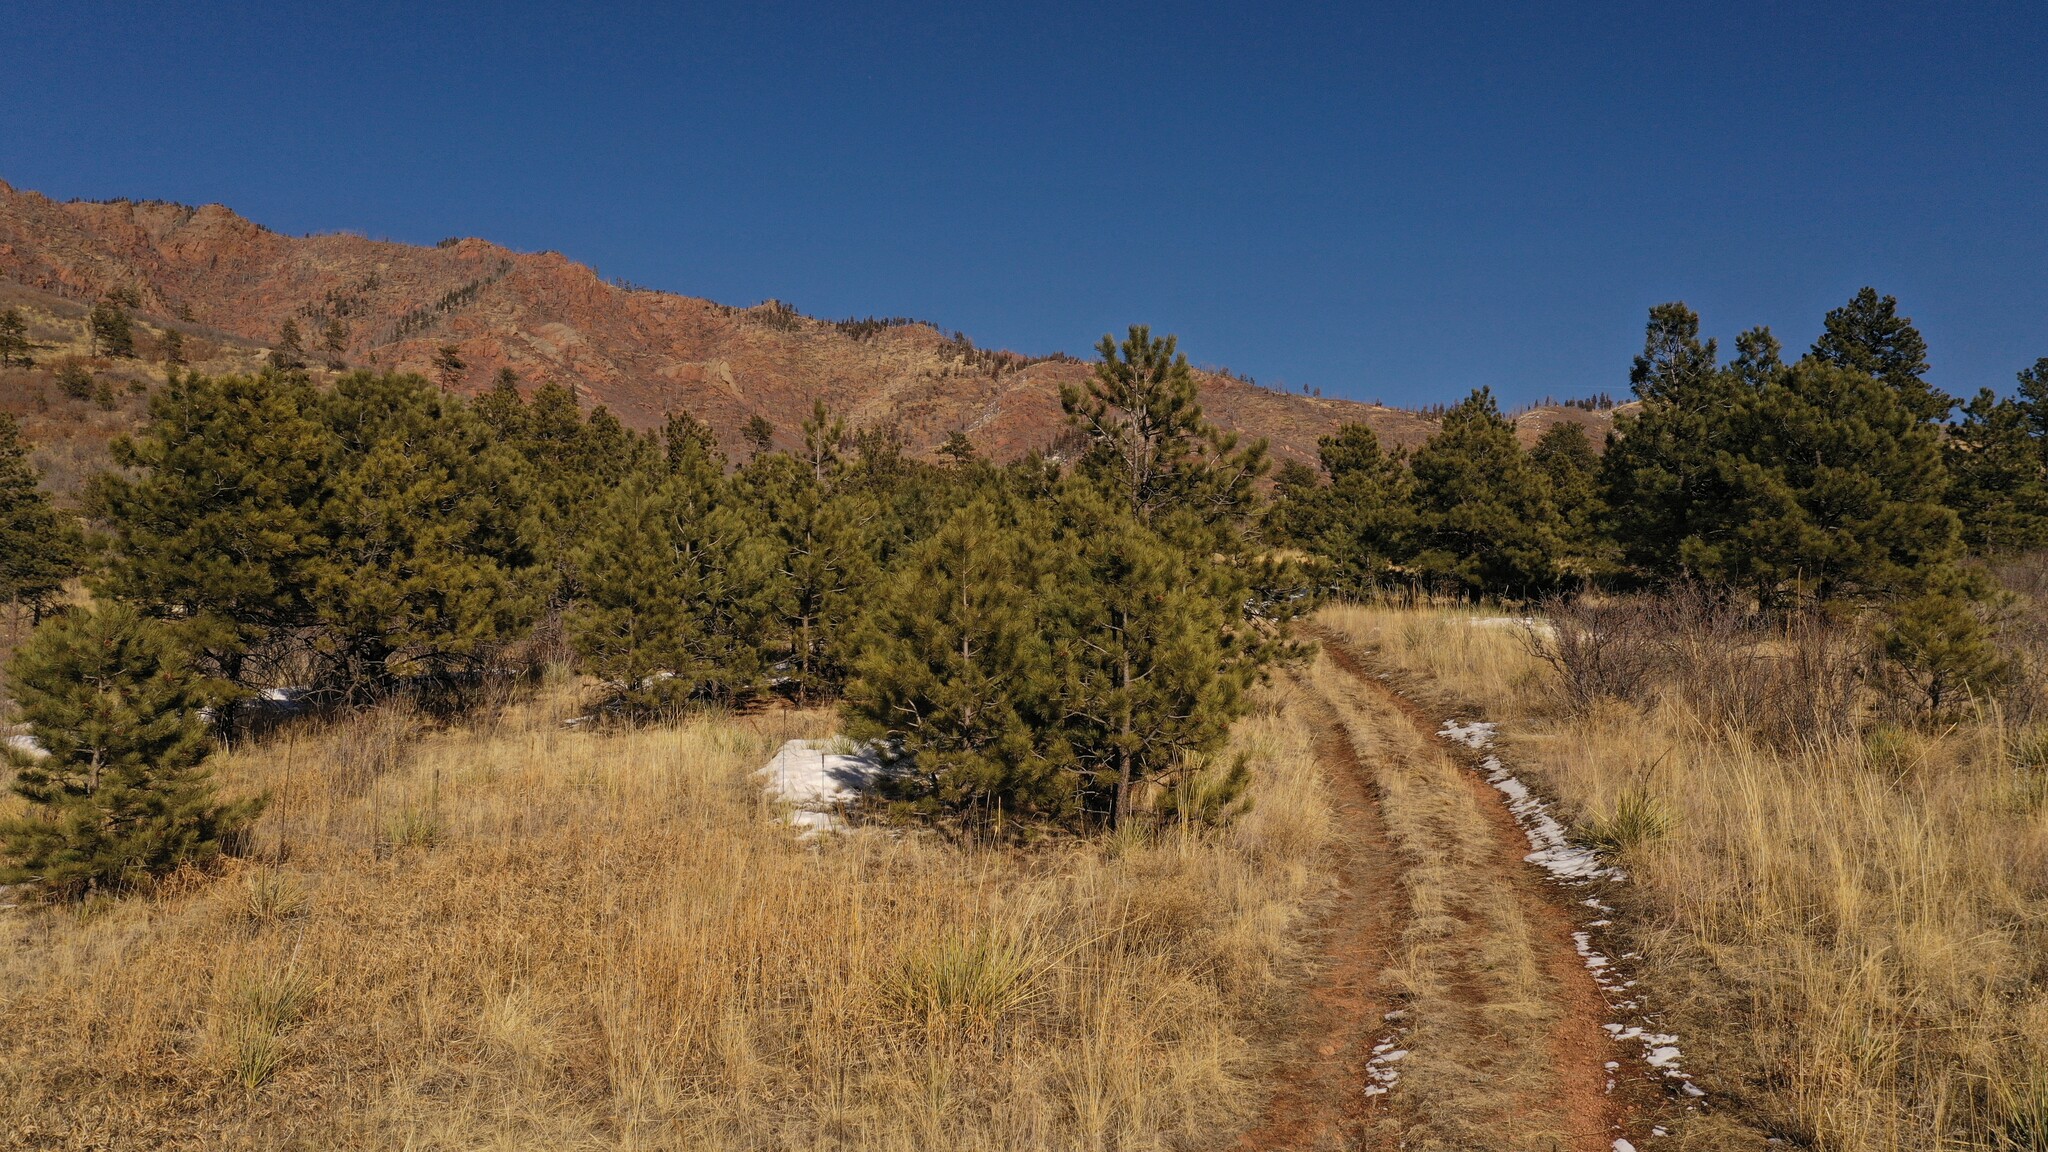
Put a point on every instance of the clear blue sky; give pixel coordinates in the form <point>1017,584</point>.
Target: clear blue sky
<point>1385,202</point>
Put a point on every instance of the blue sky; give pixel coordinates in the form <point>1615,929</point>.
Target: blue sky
<point>1391,202</point>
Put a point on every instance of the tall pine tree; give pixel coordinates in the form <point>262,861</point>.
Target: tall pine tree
<point>954,668</point>
<point>1868,335</point>
<point>1664,476</point>
<point>427,565</point>
<point>216,517</point>
<point>40,547</point>
<point>1838,494</point>
<point>1150,676</point>
<point>676,580</point>
<point>1484,521</point>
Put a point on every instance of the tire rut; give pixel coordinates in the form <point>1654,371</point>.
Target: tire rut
<point>1319,1099</point>
<point>1568,1100</point>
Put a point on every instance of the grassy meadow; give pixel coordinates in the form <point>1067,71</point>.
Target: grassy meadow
<point>508,933</point>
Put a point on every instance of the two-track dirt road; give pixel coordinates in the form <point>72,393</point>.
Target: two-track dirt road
<point>1452,1008</point>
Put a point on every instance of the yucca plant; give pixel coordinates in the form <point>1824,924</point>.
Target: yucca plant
<point>1638,818</point>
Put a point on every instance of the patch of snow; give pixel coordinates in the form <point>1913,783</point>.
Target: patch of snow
<point>1553,850</point>
<point>818,778</point>
<point>27,746</point>
<point>1381,1067</point>
<point>1478,734</point>
<point>1621,1145</point>
<point>1570,864</point>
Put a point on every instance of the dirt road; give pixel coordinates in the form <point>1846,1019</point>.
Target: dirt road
<point>1452,1009</point>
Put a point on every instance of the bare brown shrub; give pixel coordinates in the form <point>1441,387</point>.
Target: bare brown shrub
<point>1785,680</point>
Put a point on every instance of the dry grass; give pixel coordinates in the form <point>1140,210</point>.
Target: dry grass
<point>513,935</point>
<point>1850,932</point>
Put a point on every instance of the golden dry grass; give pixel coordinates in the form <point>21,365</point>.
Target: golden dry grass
<point>514,935</point>
<point>1851,936</point>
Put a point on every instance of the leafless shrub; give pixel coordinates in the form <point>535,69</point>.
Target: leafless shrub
<point>1599,650</point>
<point>1787,679</point>
<point>2019,626</point>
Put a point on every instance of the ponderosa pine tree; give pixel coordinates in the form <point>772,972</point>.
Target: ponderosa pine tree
<point>1360,519</point>
<point>1150,679</point>
<point>427,564</point>
<point>1567,460</point>
<point>14,340</point>
<point>1838,493</point>
<point>825,533</point>
<point>216,516</point>
<point>676,578</point>
<point>1663,475</point>
<point>40,547</point>
<point>121,796</point>
<point>759,434</point>
<point>1148,442</point>
<point>1869,336</point>
<point>574,464</point>
<point>1998,484</point>
<point>954,669</point>
<point>1484,522</point>
<point>334,343</point>
<point>75,380</point>
<point>449,366</point>
<point>1936,642</point>
<point>172,348</point>
<point>112,332</point>
<point>289,355</point>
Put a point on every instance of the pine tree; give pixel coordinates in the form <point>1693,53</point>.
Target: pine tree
<point>1663,476</point>
<point>1360,519</point>
<point>1838,493</point>
<point>14,340</point>
<point>1868,335</point>
<point>40,548</point>
<point>1937,645</point>
<point>1149,678</point>
<point>1484,521</point>
<point>112,333</point>
<point>75,380</point>
<point>334,342</point>
<point>290,353</point>
<point>954,669</point>
<point>215,516</point>
<point>825,540</point>
<point>958,449</point>
<point>503,408</point>
<point>427,564</point>
<point>173,347</point>
<point>675,577</point>
<point>573,466</point>
<point>760,434</point>
<point>1999,488</point>
<point>121,797</point>
<point>1568,462</point>
<point>449,366</point>
<point>1149,443</point>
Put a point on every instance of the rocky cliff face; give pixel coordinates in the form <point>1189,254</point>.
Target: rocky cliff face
<point>642,353</point>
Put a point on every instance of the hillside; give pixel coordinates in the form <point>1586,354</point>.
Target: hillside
<point>642,353</point>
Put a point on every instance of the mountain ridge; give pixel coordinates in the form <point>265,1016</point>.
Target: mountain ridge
<point>642,353</point>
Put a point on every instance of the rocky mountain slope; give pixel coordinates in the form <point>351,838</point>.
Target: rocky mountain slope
<point>643,353</point>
